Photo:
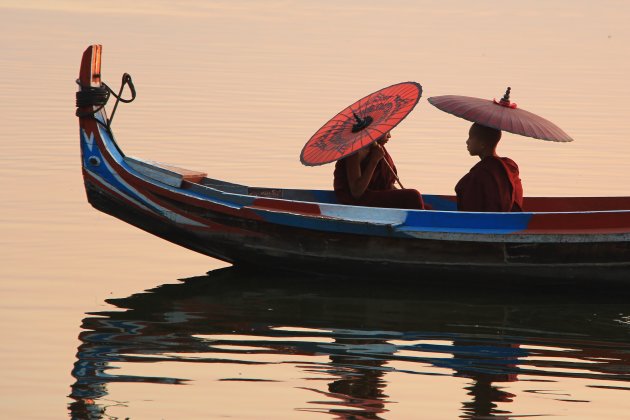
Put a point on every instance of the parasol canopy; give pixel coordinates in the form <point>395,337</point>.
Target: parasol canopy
<point>502,115</point>
<point>360,124</point>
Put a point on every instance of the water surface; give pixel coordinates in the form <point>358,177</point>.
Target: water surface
<point>297,346</point>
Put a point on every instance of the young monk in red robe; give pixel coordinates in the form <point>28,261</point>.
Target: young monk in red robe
<point>492,184</point>
<point>364,179</point>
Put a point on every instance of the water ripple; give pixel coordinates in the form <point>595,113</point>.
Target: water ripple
<point>347,341</point>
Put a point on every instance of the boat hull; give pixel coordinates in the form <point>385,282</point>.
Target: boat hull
<point>259,243</point>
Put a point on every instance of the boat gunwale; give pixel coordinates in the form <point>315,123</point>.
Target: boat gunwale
<point>237,201</point>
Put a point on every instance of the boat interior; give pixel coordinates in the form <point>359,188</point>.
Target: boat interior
<point>199,182</point>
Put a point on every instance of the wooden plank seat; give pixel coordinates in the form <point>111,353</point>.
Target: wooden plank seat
<point>167,174</point>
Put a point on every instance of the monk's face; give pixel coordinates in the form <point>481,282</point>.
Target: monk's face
<point>474,144</point>
<point>384,138</point>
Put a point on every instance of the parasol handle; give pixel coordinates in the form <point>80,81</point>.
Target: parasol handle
<point>392,169</point>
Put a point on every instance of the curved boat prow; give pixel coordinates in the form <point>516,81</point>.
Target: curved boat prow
<point>91,97</point>
<point>96,138</point>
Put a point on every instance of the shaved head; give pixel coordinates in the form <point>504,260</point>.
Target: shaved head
<point>487,135</point>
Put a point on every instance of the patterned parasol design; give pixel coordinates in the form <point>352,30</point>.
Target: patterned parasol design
<point>360,124</point>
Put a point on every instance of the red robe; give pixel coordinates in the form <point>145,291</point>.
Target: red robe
<point>380,192</point>
<point>382,179</point>
<point>493,184</point>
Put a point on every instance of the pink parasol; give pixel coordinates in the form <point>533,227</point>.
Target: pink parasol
<point>502,115</point>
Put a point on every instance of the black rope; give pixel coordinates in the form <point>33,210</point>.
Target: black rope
<point>91,96</point>
<point>98,96</point>
<point>126,80</point>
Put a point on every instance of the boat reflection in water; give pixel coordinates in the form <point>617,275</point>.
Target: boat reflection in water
<point>364,331</point>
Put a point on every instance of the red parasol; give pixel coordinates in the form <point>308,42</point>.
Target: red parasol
<point>502,115</point>
<point>360,124</point>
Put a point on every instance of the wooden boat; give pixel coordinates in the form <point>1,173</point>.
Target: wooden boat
<point>557,238</point>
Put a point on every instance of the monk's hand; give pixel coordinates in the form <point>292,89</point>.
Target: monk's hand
<point>377,153</point>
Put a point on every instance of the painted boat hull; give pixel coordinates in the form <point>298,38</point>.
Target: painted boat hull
<point>291,249</point>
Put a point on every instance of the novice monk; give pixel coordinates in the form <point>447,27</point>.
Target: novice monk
<point>492,184</point>
<point>364,179</point>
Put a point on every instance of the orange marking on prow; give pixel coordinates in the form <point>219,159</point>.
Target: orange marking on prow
<point>96,65</point>
<point>90,72</point>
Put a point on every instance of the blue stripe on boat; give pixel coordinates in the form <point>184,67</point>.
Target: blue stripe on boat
<point>470,222</point>
<point>324,196</point>
<point>439,203</point>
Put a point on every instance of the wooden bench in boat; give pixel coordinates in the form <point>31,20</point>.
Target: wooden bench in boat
<point>167,174</point>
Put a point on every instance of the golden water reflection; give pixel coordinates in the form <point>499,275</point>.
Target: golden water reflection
<point>350,343</point>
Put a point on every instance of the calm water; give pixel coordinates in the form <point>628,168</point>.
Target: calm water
<point>95,320</point>
<point>264,345</point>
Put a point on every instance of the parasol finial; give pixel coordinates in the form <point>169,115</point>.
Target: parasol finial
<point>505,101</point>
<point>506,97</point>
<point>361,122</point>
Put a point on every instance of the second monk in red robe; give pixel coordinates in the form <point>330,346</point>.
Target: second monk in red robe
<point>493,184</point>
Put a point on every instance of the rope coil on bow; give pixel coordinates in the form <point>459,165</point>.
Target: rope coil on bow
<point>98,96</point>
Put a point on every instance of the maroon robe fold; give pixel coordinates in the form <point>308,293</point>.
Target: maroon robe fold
<point>382,180</point>
<point>493,184</point>
<point>380,191</point>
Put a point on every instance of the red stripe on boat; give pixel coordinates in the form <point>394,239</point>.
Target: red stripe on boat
<point>288,206</point>
<point>208,225</point>
<point>197,218</point>
<point>558,204</point>
<point>143,186</point>
<point>120,196</point>
<point>579,223</point>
